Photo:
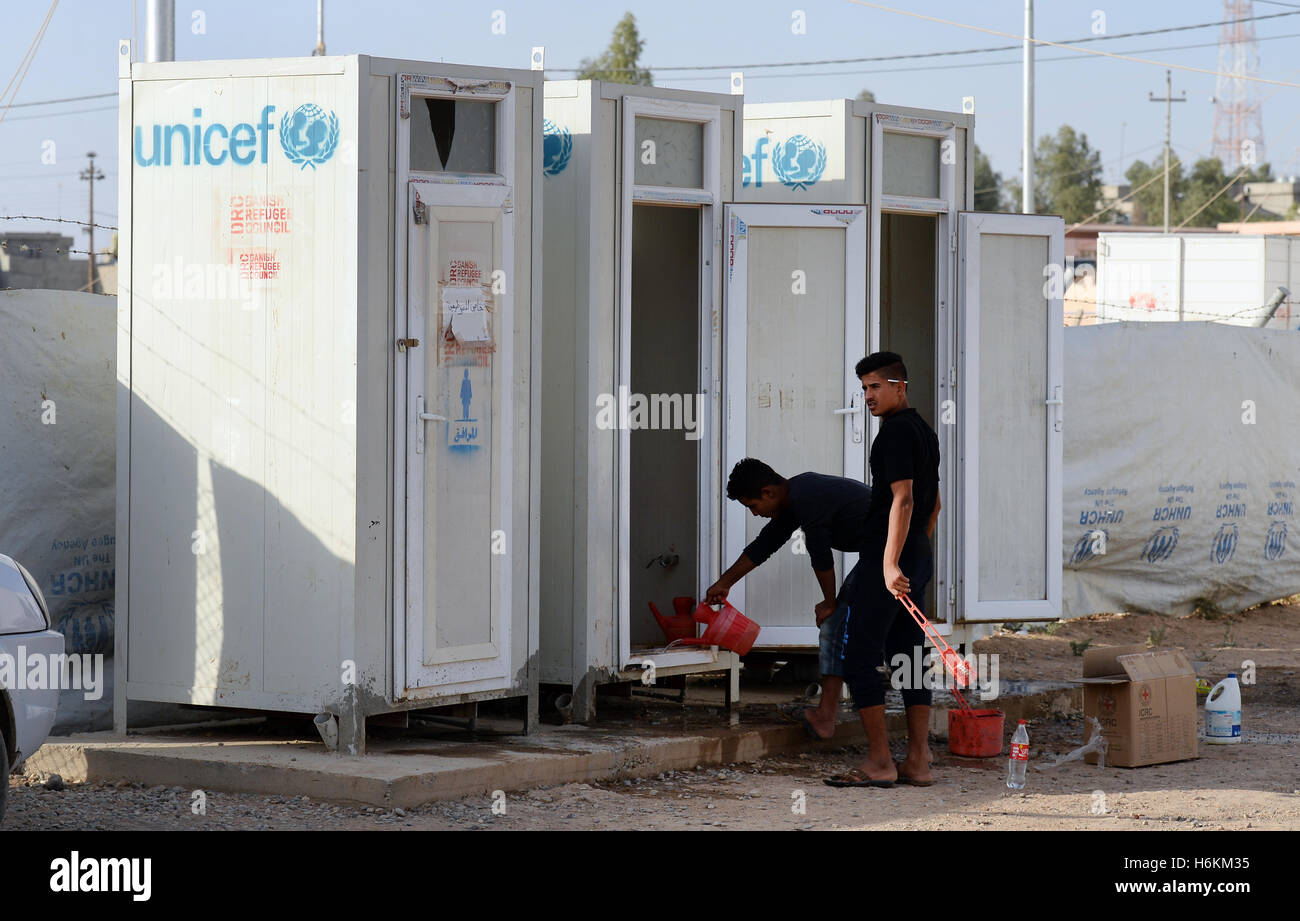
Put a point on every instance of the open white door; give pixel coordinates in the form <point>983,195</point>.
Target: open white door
<point>794,327</point>
<point>1009,423</point>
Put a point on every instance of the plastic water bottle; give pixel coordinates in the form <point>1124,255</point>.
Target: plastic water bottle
<point>1019,759</point>
<point>1223,712</point>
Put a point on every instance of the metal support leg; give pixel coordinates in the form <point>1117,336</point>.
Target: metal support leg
<point>531,715</point>
<point>733,695</point>
<point>352,732</point>
<point>584,701</point>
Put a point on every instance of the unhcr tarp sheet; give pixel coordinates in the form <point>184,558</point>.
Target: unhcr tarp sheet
<point>1182,454</point>
<point>58,352</point>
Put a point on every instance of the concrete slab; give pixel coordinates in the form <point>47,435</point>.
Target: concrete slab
<point>407,772</point>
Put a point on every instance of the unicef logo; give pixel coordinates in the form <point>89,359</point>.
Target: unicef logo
<point>1275,541</point>
<point>799,161</point>
<point>1160,545</point>
<point>1224,545</point>
<point>309,135</point>
<point>557,147</point>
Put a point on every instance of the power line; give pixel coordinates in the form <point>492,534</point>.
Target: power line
<point>927,54</point>
<point>1042,41</point>
<point>21,118</point>
<point>16,81</point>
<point>970,64</point>
<point>50,102</point>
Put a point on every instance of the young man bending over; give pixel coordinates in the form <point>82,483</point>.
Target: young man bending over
<point>832,511</point>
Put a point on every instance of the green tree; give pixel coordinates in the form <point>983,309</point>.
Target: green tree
<point>1198,197</point>
<point>620,62</point>
<point>988,184</point>
<point>866,96</point>
<point>1067,176</point>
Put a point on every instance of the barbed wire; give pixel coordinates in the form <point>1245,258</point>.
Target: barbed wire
<point>1244,314</point>
<point>56,220</point>
<point>39,251</point>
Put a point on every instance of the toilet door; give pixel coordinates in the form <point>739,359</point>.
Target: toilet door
<point>1009,419</point>
<point>453,385</point>
<point>794,327</point>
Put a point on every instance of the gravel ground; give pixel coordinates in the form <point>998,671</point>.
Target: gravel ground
<point>1255,784</point>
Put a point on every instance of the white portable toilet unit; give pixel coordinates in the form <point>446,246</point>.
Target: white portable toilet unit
<point>329,331</point>
<point>853,234</point>
<point>635,182</point>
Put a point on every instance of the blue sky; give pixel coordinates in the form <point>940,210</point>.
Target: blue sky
<point>1104,98</point>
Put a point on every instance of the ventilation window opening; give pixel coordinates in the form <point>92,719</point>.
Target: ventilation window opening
<point>453,135</point>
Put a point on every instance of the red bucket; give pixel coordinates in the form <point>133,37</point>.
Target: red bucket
<point>975,733</point>
<point>727,628</point>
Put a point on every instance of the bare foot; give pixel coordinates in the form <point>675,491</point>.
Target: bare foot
<point>824,726</point>
<point>916,769</point>
<point>876,770</point>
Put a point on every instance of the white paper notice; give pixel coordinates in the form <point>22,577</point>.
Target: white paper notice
<point>464,310</point>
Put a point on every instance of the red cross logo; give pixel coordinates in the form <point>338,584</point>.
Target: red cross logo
<point>1146,693</point>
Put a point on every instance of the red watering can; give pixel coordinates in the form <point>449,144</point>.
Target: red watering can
<point>727,628</point>
<point>681,626</point>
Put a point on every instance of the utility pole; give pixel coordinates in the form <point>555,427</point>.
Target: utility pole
<point>1168,100</point>
<point>90,175</point>
<point>319,50</point>
<point>160,30</point>
<point>1027,191</point>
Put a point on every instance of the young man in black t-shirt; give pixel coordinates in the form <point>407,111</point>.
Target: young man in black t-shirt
<point>832,511</point>
<point>896,560</point>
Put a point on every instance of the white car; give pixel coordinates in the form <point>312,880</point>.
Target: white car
<point>26,713</point>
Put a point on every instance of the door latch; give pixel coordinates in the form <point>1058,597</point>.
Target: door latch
<point>422,417</point>
<point>854,409</point>
<point>404,344</point>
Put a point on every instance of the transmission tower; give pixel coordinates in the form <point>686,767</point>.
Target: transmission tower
<point>1238,119</point>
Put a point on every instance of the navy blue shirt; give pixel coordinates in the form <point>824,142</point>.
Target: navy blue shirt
<point>905,448</point>
<point>832,510</point>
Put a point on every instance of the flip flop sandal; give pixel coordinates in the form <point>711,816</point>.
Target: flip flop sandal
<point>904,780</point>
<point>855,778</point>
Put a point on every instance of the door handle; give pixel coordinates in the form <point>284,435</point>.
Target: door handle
<point>423,417</point>
<point>854,409</point>
<point>1056,401</point>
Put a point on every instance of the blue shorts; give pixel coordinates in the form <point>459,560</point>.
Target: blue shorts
<point>831,643</point>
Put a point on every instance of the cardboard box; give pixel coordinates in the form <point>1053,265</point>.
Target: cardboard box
<point>1145,701</point>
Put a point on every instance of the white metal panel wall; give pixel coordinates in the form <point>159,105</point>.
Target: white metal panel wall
<point>524,527</point>
<point>370,623</point>
<point>242,480</point>
<point>800,152</point>
<point>1223,276</point>
<point>566,184</point>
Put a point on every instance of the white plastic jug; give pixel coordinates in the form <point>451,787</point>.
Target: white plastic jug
<point>1223,712</point>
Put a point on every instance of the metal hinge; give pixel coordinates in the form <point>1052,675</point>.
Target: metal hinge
<point>952,242</point>
<point>952,596</point>
<point>952,375</point>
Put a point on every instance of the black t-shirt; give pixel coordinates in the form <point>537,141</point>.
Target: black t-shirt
<point>832,510</point>
<point>906,448</point>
